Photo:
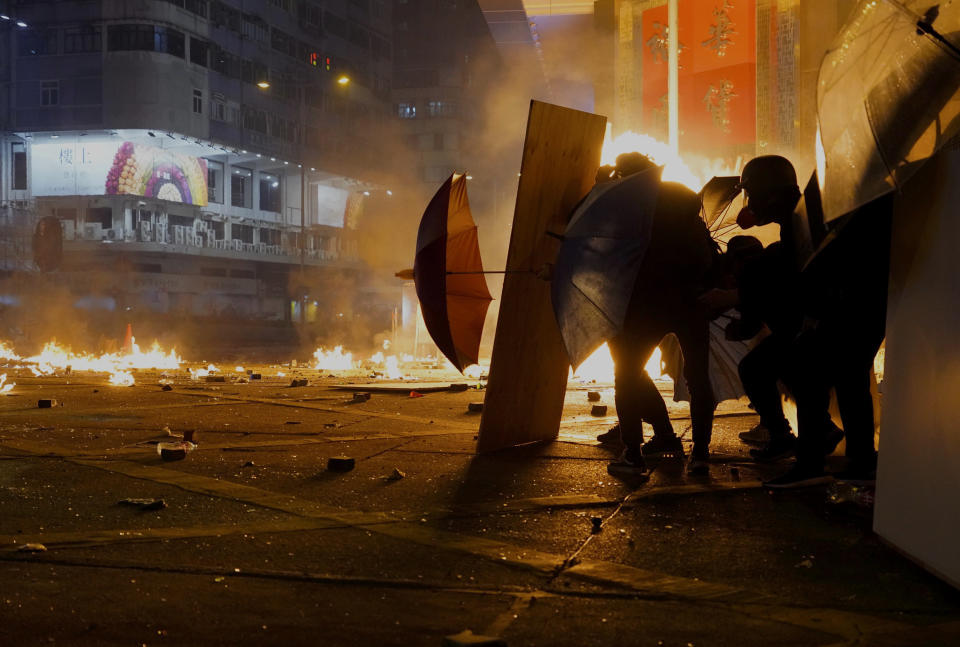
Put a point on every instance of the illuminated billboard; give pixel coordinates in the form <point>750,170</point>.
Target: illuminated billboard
<point>111,168</point>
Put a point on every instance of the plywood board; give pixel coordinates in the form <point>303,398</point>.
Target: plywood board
<point>919,473</point>
<point>528,369</point>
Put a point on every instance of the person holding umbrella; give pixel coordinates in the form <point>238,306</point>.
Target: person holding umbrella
<point>677,266</point>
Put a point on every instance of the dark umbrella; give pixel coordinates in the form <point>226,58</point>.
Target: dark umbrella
<point>599,259</point>
<point>888,99</point>
<point>448,274</point>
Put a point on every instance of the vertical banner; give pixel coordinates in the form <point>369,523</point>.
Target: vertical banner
<point>717,58</point>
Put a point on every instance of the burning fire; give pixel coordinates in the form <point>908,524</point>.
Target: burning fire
<point>676,169</point>
<point>4,387</point>
<point>599,367</point>
<point>6,353</point>
<point>197,373</point>
<point>122,378</point>
<point>333,360</point>
<point>54,357</point>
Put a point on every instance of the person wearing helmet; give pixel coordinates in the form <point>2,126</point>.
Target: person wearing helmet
<point>676,268</point>
<point>830,338</point>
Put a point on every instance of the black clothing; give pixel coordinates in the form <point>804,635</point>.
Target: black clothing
<point>676,269</point>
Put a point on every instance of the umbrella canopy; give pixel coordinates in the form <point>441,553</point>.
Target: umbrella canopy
<point>448,274</point>
<point>888,98</point>
<point>597,265</point>
<point>716,197</point>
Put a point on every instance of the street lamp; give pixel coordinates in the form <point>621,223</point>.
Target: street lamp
<point>343,80</point>
<point>263,85</point>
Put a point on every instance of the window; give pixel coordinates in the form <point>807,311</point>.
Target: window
<point>102,215</point>
<point>406,110</point>
<point>198,101</point>
<point>441,108</point>
<point>199,51</point>
<point>19,153</point>
<point>240,187</point>
<point>147,38</point>
<point>243,233</point>
<point>218,109</point>
<point>269,193</point>
<point>49,93</point>
<point>80,40</point>
<point>215,181</point>
<point>36,42</point>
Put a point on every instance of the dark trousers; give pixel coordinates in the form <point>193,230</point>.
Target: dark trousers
<point>840,357</point>
<point>760,370</point>
<point>637,397</point>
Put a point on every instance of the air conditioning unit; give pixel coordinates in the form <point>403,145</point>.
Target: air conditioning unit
<point>93,231</point>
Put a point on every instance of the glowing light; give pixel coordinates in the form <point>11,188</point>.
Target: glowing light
<point>263,85</point>
<point>54,357</point>
<point>675,169</point>
<point>821,160</point>
<point>599,367</point>
<point>122,378</point>
<point>4,387</point>
<point>332,360</point>
<point>343,80</point>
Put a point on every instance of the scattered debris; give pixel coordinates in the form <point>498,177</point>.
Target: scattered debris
<point>361,396</point>
<point>32,548</point>
<point>46,404</point>
<point>256,376</point>
<point>593,396</point>
<point>597,524</point>
<point>340,463</point>
<point>416,394</point>
<point>298,382</point>
<point>598,410</point>
<point>292,422</point>
<point>467,638</point>
<point>396,475</point>
<point>331,425</point>
<point>734,473</point>
<point>166,387</point>
<point>216,378</point>
<point>458,388</point>
<point>175,451</point>
<point>144,504</point>
<point>846,492</point>
<point>475,407</point>
<point>804,564</point>
<point>249,464</point>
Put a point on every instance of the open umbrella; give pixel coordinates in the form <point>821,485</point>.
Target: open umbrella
<point>448,274</point>
<point>888,98</point>
<point>596,268</point>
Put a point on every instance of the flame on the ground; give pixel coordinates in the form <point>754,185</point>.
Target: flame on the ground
<point>197,373</point>
<point>55,357</point>
<point>122,378</point>
<point>332,360</point>
<point>389,365</point>
<point>599,367</point>
<point>4,387</point>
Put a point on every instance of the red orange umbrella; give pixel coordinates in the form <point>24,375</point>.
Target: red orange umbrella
<point>448,274</point>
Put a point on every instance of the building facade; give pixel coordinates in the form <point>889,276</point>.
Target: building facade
<point>202,157</point>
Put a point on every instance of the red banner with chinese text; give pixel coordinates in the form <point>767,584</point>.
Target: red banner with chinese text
<point>717,84</point>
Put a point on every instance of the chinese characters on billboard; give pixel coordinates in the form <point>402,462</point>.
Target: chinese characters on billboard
<point>108,168</point>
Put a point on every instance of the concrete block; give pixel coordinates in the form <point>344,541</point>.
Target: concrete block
<point>598,410</point>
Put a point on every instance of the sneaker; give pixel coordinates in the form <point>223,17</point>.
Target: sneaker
<point>664,445</point>
<point>798,477</point>
<point>611,436</point>
<point>859,473</point>
<point>699,465</point>
<point>832,439</point>
<point>758,435</point>
<point>777,449</point>
<point>630,465</point>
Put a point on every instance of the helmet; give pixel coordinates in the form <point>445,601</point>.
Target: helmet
<point>630,163</point>
<point>768,172</point>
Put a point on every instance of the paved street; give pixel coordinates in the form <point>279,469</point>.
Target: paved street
<point>260,544</point>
